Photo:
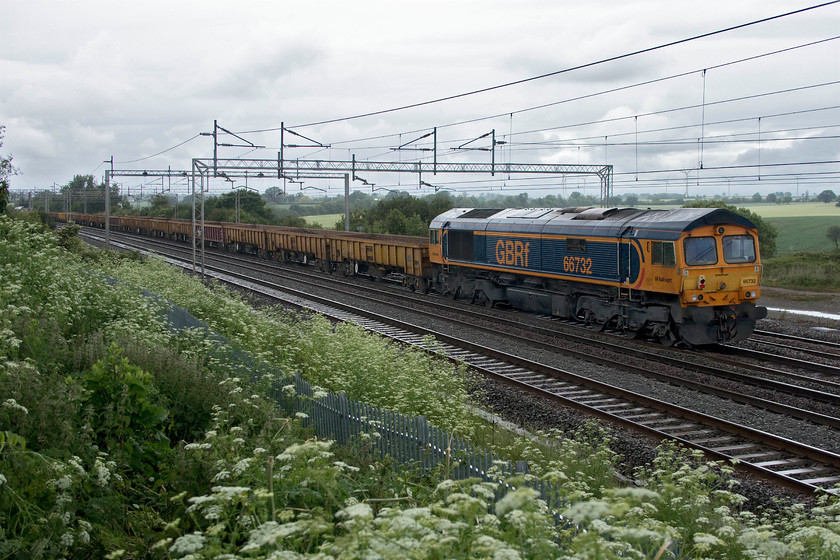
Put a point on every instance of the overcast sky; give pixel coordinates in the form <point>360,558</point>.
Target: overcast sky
<point>84,80</point>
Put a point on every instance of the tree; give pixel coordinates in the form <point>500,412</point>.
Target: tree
<point>826,196</point>
<point>767,232</point>
<point>757,197</point>
<point>161,207</point>
<point>771,197</point>
<point>6,171</point>
<point>834,235</point>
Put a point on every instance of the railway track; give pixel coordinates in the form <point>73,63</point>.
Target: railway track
<point>787,463</point>
<point>835,346</point>
<point>818,356</point>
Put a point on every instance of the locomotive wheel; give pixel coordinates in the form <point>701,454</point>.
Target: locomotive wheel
<point>669,338</point>
<point>480,298</point>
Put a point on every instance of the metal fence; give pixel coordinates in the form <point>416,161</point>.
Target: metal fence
<point>408,440</point>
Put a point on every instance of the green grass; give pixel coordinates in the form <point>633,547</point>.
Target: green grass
<point>803,233</point>
<point>326,221</point>
<point>804,271</point>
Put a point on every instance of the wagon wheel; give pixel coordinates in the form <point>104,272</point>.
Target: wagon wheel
<point>420,285</point>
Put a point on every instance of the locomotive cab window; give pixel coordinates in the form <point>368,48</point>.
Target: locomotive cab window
<point>434,237</point>
<point>700,251</point>
<point>738,249</point>
<point>663,253</point>
<point>575,245</point>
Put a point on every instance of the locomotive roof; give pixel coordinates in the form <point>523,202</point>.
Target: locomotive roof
<point>660,224</point>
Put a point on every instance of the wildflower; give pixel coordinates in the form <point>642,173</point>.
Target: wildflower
<point>76,463</point>
<point>587,511</point>
<point>704,541</point>
<point>260,451</point>
<point>213,513</point>
<point>356,511</point>
<point>269,533</point>
<point>198,500</point>
<point>188,544</point>
<point>13,404</point>
<point>102,473</point>
<point>178,497</point>
<point>242,465</point>
<point>223,475</point>
<point>515,500</point>
<point>64,482</point>
<point>342,466</point>
<point>231,491</point>
<point>67,540</point>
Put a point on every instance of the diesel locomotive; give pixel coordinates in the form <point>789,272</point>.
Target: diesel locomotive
<point>688,275</point>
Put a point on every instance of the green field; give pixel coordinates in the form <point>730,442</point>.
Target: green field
<point>793,210</point>
<point>801,226</point>
<point>803,233</point>
<point>326,221</point>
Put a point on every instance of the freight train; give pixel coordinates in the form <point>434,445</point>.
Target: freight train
<point>688,275</point>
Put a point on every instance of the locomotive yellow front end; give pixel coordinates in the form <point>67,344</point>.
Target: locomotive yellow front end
<point>720,283</point>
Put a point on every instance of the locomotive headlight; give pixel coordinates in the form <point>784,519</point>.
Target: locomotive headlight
<point>757,269</point>
<point>694,298</point>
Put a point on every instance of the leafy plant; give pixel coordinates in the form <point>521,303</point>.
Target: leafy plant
<point>126,419</point>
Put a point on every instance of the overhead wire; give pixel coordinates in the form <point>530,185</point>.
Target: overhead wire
<point>567,70</point>
<point>164,151</point>
<point>571,69</point>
